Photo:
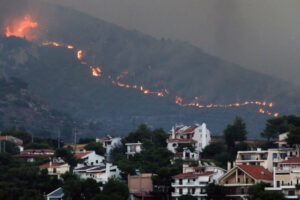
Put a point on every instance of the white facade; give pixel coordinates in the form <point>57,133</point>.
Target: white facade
<point>100,173</point>
<point>198,136</point>
<point>193,181</point>
<point>133,148</point>
<point>109,142</point>
<point>90,158</point>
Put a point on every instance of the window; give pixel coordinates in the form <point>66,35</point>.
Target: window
<point>274,155</point>
<point>96,161</point>
<point>180,181</point>
<point>193,191</point>
<point>239,180</point>
<point>180,191</point>
<point>246,180</point>
<point>54,170</point>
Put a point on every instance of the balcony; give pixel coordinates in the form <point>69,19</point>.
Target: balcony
<point>197,194</point>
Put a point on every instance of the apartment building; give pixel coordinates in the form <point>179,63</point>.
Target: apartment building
<point>287,178</point>
<point>266,158</point>
<point>193,181</point>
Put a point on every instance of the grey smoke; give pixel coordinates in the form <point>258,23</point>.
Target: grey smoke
<point>260,35</point>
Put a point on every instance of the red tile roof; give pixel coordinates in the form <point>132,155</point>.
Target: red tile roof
<point>80,155</point>
<point>186,175</point>
<point>38,150</point>
<point>191,129</point>
<point>140,195</point>
<point>292,160</point>
<point>257,172</point>
<point>32,155</point>
<point>199,167</point>
<point>182,140</point>
<point>46,165</point>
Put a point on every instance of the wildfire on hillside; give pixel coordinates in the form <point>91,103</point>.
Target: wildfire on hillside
<point>21,28</point>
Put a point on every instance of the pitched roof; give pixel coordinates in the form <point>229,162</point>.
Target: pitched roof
<point>54,164</point>
<point>80,155</point>
<point>38,151</point>
<point>292,160</point>
<point>257,172</point>
<point>186,175</point>
<point>191,129</point>
<point>182,140</point>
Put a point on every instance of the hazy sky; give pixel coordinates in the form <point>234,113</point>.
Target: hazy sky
<point>263,35</point>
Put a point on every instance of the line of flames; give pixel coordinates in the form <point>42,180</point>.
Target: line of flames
<point>98,72</point>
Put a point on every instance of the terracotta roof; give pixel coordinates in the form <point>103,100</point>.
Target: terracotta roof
<point>199,167</point>
<point>257,172</point>
<point>46,165</point>
<point>32,155</point>
<point>186,175</point>
<point>182,140</point>
<point>80,155</point>
<point>191,129</point>
<point>292,160</point>
<point>38,150</point>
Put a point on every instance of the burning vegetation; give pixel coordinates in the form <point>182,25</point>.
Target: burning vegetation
<point>24,28</point>
<point>21,28</point>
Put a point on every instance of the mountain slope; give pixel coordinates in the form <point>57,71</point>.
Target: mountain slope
<point>58,76</point>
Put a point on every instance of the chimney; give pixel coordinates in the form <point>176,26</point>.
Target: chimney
<point>228,165</point>
<point>173,132</point>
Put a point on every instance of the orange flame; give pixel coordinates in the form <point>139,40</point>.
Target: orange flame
<point>79,54</point>
<point>97,72</point>
<point>21,28</point>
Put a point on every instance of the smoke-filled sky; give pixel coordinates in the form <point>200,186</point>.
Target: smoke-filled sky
<point>262,35</point>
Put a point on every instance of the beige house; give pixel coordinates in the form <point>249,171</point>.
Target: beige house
<point>140,186</point>
<point>238,179</point>
<point>267,158</point>
<point>56,169</point>
<point>287,177</point>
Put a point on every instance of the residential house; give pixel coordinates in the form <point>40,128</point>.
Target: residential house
<point>31,154</point>
<point>282,140</point>
<point>194,180</point>
<point>133,148</point>
<point>18,142</point>
<point>90,158</point>
<point>140,186</point>
<point>55,195</point>
<point>101,173</point>
<point>238,179</point>
<point>267,158</point>
<point>186,155</point>
<point>109,142</point>
<point>198,136</point>
<point>56,168</point>
<point>287,178</point>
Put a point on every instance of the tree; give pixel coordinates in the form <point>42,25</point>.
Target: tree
<point>278,125</point>
<point>215,192</point>
<point>97,147</point>
<point>182,146</point>
<point>213,149</point>
<point>67,155</point>
<point>187,197</point>
<point>116,187</point>
<point>37,146</point>
<point>235,132</point>
<point>294,138</point>
<point>257,192</point>
<point>9,147</point>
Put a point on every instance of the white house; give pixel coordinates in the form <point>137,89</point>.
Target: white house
<point>109,142</point>
<point>100,173</point>
<point>193,180</point>
<point>17,141</point>
<point>198,136</point>
<point>90,158</point>
<point>56,168</point>
<point>133,148</point>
